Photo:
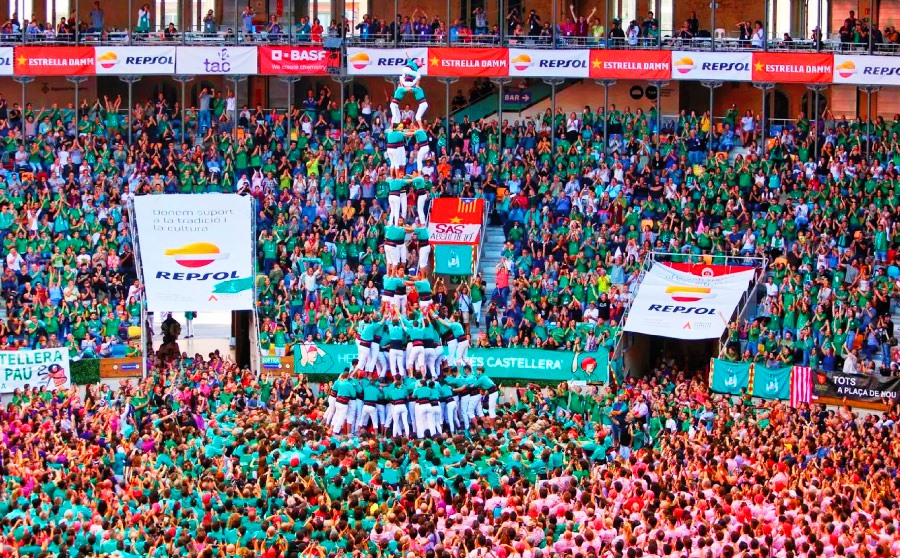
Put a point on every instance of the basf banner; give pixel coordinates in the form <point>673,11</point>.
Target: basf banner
<point>211,61</point>
<point>196,251</point>
<point>866,70</point>
<point>41,368</point>
<point>141,61</point>
<point>679,305</point>
<point>721,66</point>
<point>384,61</point>
<point>548,63</point>
<point>293,60</point>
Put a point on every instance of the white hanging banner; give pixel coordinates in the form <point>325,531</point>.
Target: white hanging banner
<point>716,66</point>
<point>140,61</point>
<point>678,305</point>
<point>41,368</point>
<point>196,251</point>
<point>384,61</point>
<point>536,62</point>
<point>210,61</point>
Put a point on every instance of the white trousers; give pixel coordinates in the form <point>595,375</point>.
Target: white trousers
<point>424,419</point>
<point>415,358</point>
<point>369,414</point>
<point>395,359</point>
<point>400,420</point>
<point>462,349</point>
<point>424,254</point>
<point>340,416</point>
<point>394,207</point>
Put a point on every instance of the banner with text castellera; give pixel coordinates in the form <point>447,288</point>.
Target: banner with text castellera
<point>41,368</point>
<point>525,364</point>
<point>679,305</point>
<point>196,251</point>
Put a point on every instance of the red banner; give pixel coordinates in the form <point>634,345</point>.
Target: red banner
<point>277,60</point>
<point>707,270</point>
<point>631,64</point>
<point>797,67</point>
<point>457,211</point>
<point>468,62</point>
<point>54,61</point>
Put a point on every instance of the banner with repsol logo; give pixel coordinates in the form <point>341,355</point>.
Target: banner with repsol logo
<point>716,66</point>
<point>196,251</point>
<point>141,61</point>
<point>524,62</point>
<point>679,305</point>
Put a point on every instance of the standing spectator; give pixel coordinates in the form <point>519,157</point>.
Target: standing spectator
<point>189,324</point>
<point>205,115</point>
<point>209,23</point>
<point>143,19</point>
<point>247,21</point>
<point>97,24</point>
<point>693,23</point>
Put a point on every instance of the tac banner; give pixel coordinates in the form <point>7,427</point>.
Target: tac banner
<point>223,61</point>
<point>721,66</point>
<point>855,387</point>
<point>468,62</point>
<point>293,60</point>
<point>798,67</point>
<point>527,62</point>
<point>196,251</point>
<point>771,383</point>
<point>41,368</point>
<point>730,377</point>
<point>679,305</point>
<point>525,364</point>
<point>384,61</point>
<point>859,69</point>
<point>141,61</point>
<point>454,259</point>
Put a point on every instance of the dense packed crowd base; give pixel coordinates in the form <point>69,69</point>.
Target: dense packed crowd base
<point>202,458</point>
<point>579,215</point>
<point>483,26</point>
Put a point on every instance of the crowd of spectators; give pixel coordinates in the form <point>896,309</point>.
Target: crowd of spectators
<point>204,459</point>
<point>515,28</point>
<point>579,215</point>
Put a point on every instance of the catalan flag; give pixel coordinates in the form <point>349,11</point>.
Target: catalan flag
<point>457,211</point>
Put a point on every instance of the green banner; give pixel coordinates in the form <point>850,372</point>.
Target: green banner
<point>453,259</point>
<point>729,377</point>
<point>540,364</point>
<point>772,383</point>
<point>527,364</point>
<point>319,358</point>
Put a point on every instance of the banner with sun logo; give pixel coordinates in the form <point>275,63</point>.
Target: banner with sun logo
<point>672,303</point>
<point>196,251</point>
